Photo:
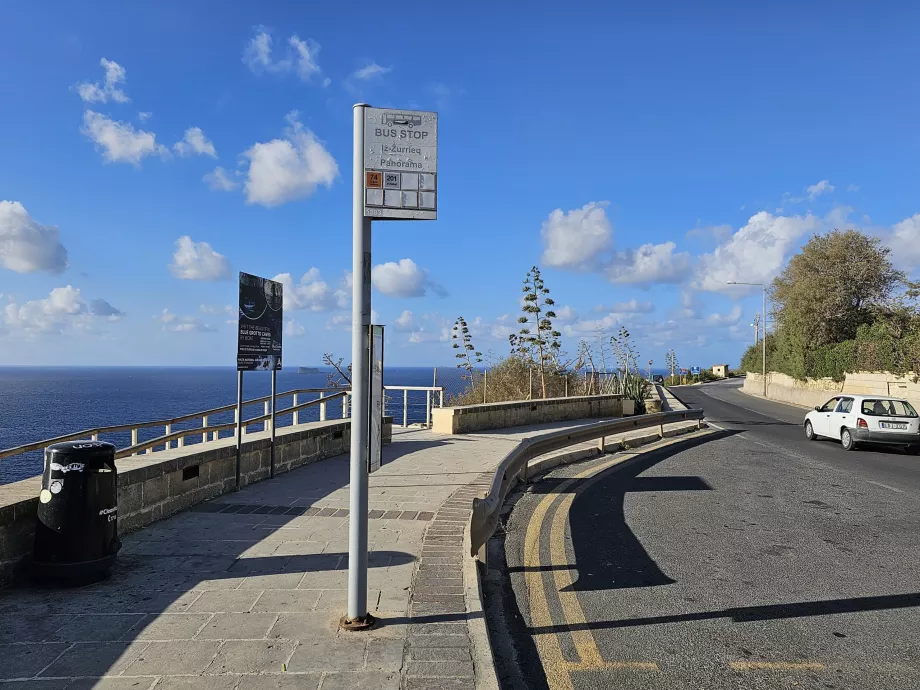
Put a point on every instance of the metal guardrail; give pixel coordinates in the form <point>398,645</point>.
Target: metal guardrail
<point>513,467</point>
<point>211,432</point>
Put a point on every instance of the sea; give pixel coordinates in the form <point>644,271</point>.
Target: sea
<point>38,403</point>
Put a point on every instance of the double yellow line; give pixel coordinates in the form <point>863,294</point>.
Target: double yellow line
<point>558,669</point>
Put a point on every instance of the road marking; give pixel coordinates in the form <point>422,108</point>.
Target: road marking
<point>548,646</point>
<point>615,666</point>
<point>572,612</point>
<point>885,486</point>
<point>776,666</point>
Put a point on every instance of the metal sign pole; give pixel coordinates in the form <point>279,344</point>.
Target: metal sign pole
<point>239,425</point>
<point>357,617</point>
<point>274,380</point>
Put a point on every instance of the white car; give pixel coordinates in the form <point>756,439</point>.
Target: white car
<point>857,419</point>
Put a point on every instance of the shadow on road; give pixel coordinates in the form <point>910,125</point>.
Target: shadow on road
<point>607,552</point>
<point>745,614</point>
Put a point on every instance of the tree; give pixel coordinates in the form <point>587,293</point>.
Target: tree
<point>340,378</point>
<point>468,354</point>
<point>837,283</point>
<point>537,341</point>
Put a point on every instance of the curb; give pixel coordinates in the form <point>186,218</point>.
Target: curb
<point>483,660</point>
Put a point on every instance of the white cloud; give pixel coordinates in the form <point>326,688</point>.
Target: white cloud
<point>26,245</point>
<point>564,314</point>
<point>575,238</point>
<point>288,169</point>
<point>650,263</point>
<point>729,319</point>
<point>712,232</point>
<point>119,141</point>
<point>404,321</point>
<point>339,322</point>
<point>371,70</point>
<point>754,254</point>
<point>64,307</point>
<point>294,329</point>
<point>404,278</point>
<point>424,335</point>
<point>311,292</point>
<point>904,242</point>
<point>300,56</point>
<point>219,181</point>
<point>195,143</point>
<point>632,306</point>
<point>586,327</point>
<point>144,116</point>
<point>183,324</point>
<point>217,310</point>
<point>819,188</point>
<point>198,261</point>
<point>96,92</point>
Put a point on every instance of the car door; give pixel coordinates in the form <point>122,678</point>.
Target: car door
<point>840,417</point>
<point>821,420</point>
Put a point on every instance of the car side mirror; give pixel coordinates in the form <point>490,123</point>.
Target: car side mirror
<point>817,408</point>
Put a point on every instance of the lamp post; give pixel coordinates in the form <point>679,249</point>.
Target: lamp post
<point>763,286</point>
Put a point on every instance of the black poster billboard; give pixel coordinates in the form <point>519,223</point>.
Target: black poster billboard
<point>260,326</point>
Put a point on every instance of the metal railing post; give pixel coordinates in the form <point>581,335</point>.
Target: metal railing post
<point>266,425</point>
<point>441,398</point>
<point>428,409</point>
<point>204,425</point>
<point>95,437</point>
<point>180,442</point>
<point>168,432</point>
<point>322,407</point>
<point>602,444</point>
<point>405,409</point>
<point>134,437</point>
<point>296,419</point>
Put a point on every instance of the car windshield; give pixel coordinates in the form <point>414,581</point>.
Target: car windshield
<point>888,408</point>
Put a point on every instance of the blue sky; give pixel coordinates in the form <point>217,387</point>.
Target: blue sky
<point>643,156</point>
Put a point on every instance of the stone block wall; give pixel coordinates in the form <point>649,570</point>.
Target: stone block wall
<point>472,418</point>
<point>152,487</point>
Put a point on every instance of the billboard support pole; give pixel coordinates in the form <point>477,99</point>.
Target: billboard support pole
<point>239,424</point>
<point>274,381</point>
<point>357,616</point>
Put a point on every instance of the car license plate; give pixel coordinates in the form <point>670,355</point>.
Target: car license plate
<point>892,425</point>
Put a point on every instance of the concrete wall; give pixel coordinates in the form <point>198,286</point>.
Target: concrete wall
<point>152,487</point>
<point>812,392</point>
<point>789,390</point>
<point>470,418</point>
<point>720,370</point>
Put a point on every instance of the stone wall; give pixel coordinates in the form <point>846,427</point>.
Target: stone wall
<point>502,415</point>
<point>813,392</point>
<point>152,487</point>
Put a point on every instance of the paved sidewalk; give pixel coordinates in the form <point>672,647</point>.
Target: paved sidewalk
<point>246,591</point>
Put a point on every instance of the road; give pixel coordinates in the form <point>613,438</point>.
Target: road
<point>744,556</point>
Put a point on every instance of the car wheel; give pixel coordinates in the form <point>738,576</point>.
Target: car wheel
<point>846,440</point>
<point>809,431</point>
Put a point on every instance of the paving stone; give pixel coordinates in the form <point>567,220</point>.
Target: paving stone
<point>42,684</point>
<point>440,669</point>
<point>375,514</point>
<point>440,654</point>
<point>22,661</point>
<point>272,581</point>
<point>282,681</point>
<point>195,683</point>
<point>280,600</point>
<point>424,515</point>
<point>328,654</point>
<point>298,626</point>
<point>112,683</point>
<point>252,656</point>
<point>97,627</point>
<point>440,684</point>
<point>18,627</point>
<point>187,656</point>
<point>427,641</point>
<point>235,600</point>
<point>170,626</point>
<point>361,681</point>
<point>393,600</point>
<point>93,659</point>
<point>324,579</point>
<point>237,626</point>
<point>445,628</point>
<point>385,655</point>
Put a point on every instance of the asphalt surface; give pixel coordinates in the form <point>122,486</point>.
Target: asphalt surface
<point>741,557</point>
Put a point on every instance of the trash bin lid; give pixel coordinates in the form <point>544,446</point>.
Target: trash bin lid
<point>86,449</point>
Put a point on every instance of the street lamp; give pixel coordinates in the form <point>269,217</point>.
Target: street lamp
<point>764,288</point>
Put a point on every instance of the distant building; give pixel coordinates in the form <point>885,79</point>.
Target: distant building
<point>720,370</point>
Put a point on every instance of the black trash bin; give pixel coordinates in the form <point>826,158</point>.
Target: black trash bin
<point>76,537</point>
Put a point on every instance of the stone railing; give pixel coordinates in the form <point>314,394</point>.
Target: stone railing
<point>152,487</point>
<point>502,415</point>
